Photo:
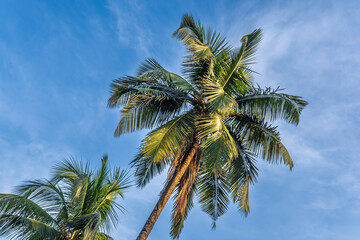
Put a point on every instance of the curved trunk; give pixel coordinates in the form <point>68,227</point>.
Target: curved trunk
<point>165,195</point>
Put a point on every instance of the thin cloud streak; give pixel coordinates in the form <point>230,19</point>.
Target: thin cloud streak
<point>131,29</point>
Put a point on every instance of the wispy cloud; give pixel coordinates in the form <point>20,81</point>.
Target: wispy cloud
<point>25,161</point>
<point>131,25</point>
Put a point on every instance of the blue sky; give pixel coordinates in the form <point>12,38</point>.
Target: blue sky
<point>57,59</point>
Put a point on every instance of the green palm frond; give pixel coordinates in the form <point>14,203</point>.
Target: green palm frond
<point>262,139</point>
<point>20,227</point>
<point>241,57</point>
<point>146,169</point>
<point>203,42</point>
<point>218,146</point>
<point>21,218</point>
<point>161,145</point>
<point>148,106</point>
<point>22,206</point>
<point>124,88</point>
<point>102,236</point>
<point>271,104</point>
<point>213,192</point>
<point>204,46</point>
<point>152,69</point>
<point>241,172</point>
<point>250,44</point>
<point>46,193</point>
<point>193,36</point>
<point>69,170</point>
<point>217,99</point>
<point>164,142</point>
<point>118,181</point>
<point>75,204</point>
<point>78,193</point>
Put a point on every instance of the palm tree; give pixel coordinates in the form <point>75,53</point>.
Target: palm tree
<point>76,204</point>
<point>208,126</point>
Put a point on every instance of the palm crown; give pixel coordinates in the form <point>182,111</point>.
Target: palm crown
<point>209,126</point>
<point>75,204</point>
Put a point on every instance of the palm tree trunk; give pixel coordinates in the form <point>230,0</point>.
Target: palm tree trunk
<point>165,195</point>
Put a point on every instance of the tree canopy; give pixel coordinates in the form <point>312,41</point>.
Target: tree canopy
<point>76,203</point>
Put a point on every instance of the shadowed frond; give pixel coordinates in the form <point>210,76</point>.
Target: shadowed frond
<point>20,227</point>
<point>124,88</point>
<point>46,193</point>
<point>262,139</point>
<point>22,206</point>
<point>19,216</point>
<point>213,193</point>
<point>242,172</point>
<point>147,104</point>
<point>271,104</point>
<point>152,69</point>
<point>145,169</point>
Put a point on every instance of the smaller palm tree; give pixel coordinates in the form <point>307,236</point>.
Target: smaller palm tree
<point>76,203</point>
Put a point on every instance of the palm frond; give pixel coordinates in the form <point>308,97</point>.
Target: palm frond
<point>249,45</point>
<point>22,206</point>
<point>164,142</point>
<point>241,172</point>
<point>183,199</point>
<point>262,139</point>
<point>202,42</point>
<point>271,104</point>
<point>192,34</point>
<point>122,89</point>
<point>161,145</point>
<point>213,193</point>
<point>152,69</point>
<point>148,105</point>
<point>69,170</point>
<point>149,111</point>
<point>21,227</point>
<point>218,146</point>
<point>85,226</point>
<point>146,169</point>
<point>217,99</point>
<point>204,46</point>
<point>102,236</point>
<point>46,193</point>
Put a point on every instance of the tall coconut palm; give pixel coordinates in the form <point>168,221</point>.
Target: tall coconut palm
<point>208,126</point>
<point>76,203</point>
